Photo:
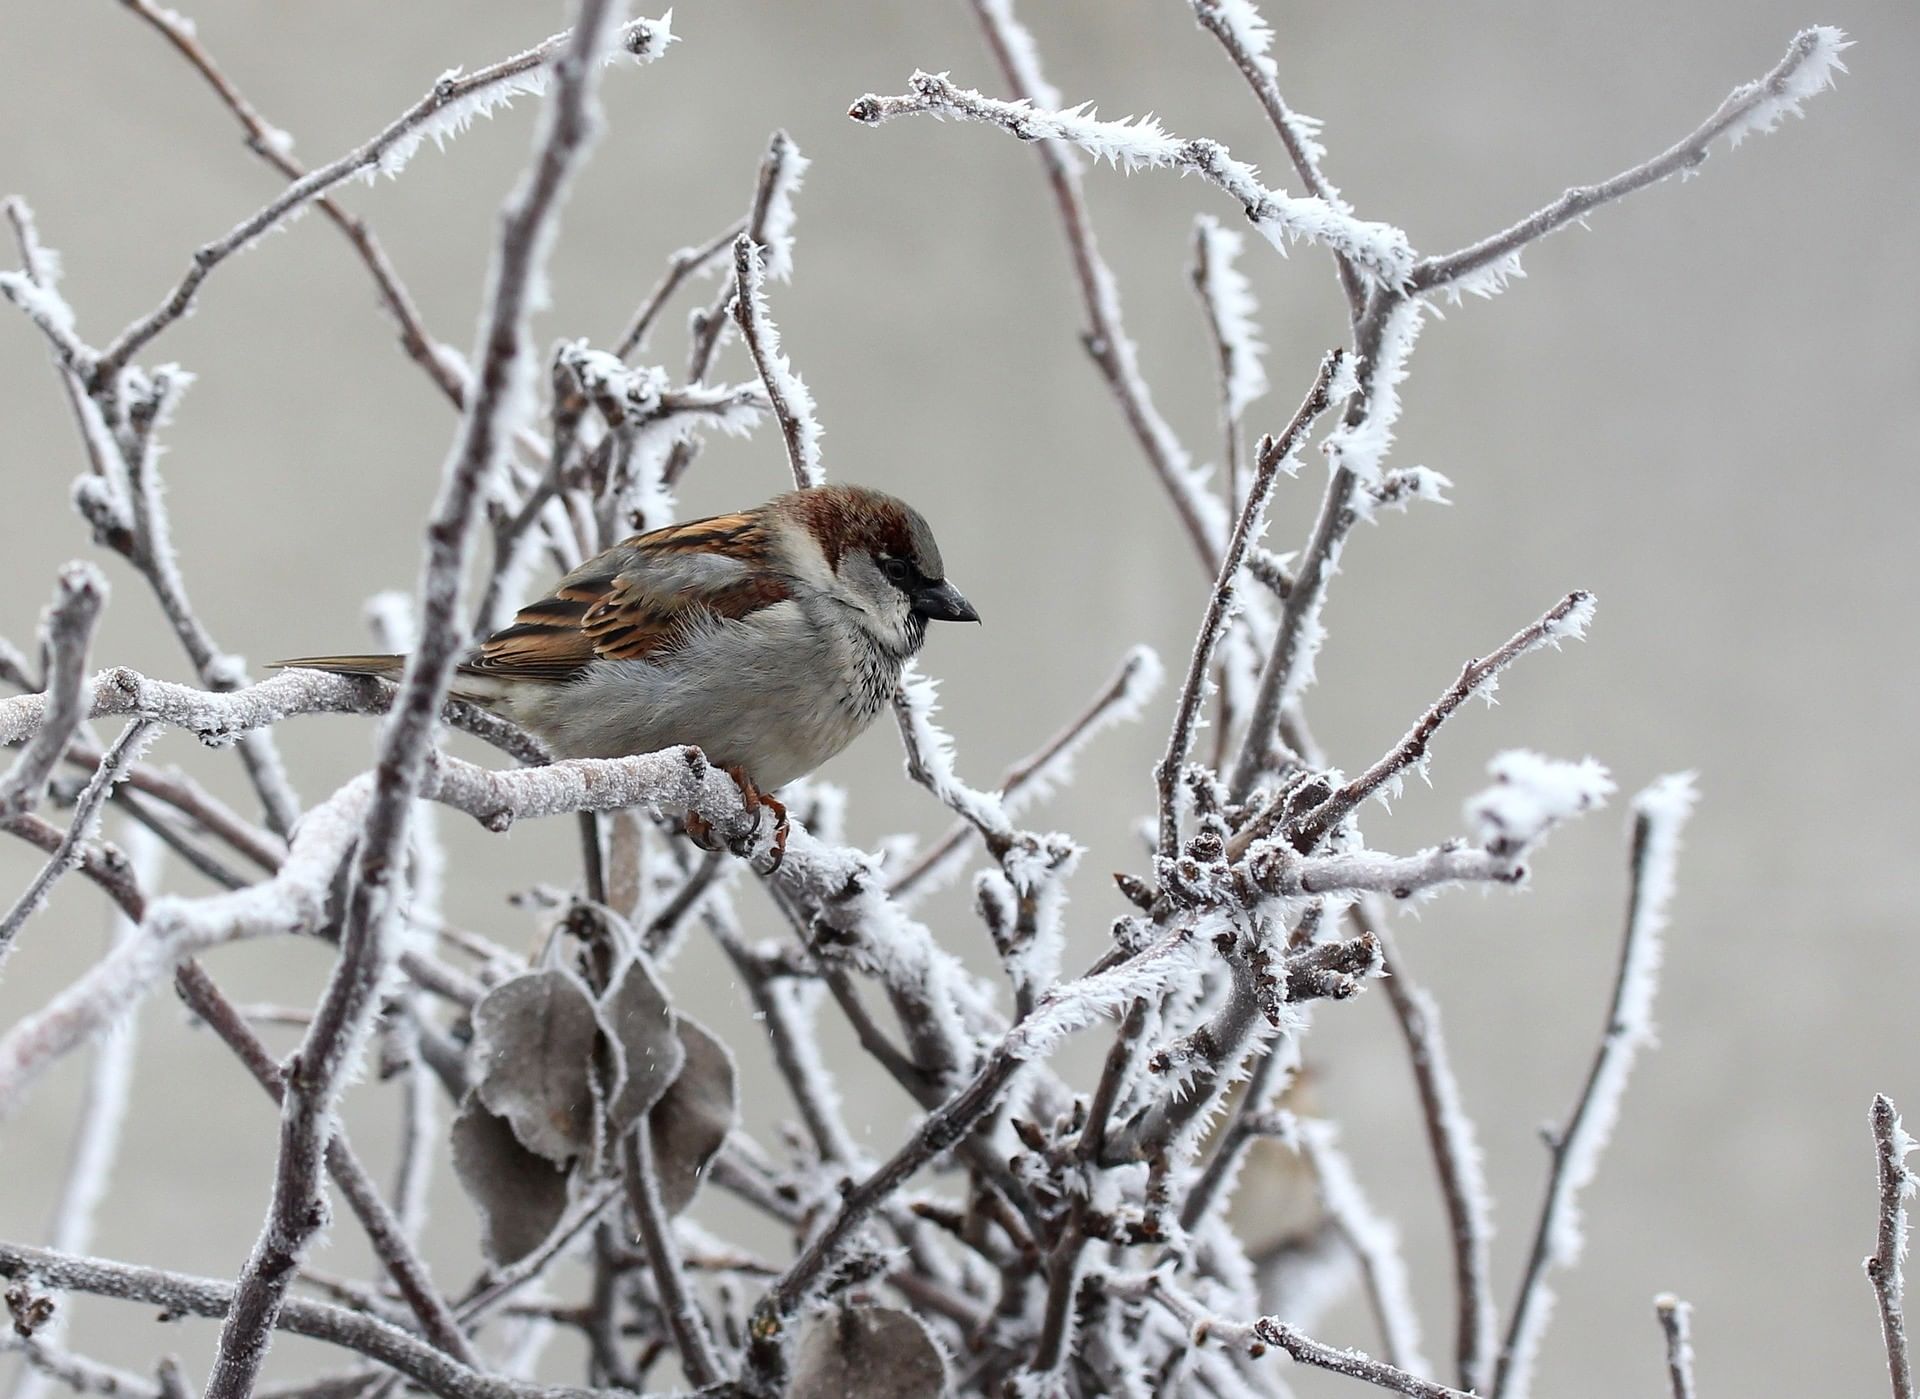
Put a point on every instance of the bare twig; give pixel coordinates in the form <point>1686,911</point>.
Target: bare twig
<point>1891,1145</point>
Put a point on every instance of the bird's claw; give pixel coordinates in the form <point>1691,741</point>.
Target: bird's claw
<point>751,800</point>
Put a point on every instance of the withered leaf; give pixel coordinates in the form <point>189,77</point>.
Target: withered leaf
<point>693,1118</point>
<point>533,1039</point>
<point>520,1196</point>
<point>635,1015</point>
<point>866,1353</point>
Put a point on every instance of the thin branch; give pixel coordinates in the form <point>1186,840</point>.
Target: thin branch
<point>792,402</point>
<point>68,629</point>
<point>1246,37</point>
<point>327,1054</point>
<point>1891,1145</point>
<point>80,830</point>
<point>1676,1321</point>
<point>447,107</point>
<point>1659,814</point>
<point>352,1330</point>
<point>1271,1331</point>
<point>1033,776</point>
<point>771,209</point>
<point>1378,249</point>
<point>274,146</point>
<point>1200,512</point>
<point>687,262</point>
<point>1456,1155</point>
<point>1808,68</point>
<point>384,1231</point>
<point>1273,456</point>
<point>697,1355</point>
<point>1566,620</point>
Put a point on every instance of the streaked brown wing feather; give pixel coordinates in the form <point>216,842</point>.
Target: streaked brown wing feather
<point>616,607</point>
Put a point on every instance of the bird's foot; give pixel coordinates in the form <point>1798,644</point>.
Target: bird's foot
<point>752,799</point>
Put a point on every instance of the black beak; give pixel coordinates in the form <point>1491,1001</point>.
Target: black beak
<point>941,602</point>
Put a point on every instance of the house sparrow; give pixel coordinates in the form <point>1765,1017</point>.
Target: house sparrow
<point>767,639</point>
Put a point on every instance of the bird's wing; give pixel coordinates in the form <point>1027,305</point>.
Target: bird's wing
<point>638,600</point>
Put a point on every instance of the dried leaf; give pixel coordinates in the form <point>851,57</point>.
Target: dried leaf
<point>520,1196</point>
<point>691,1121</point>
<point>866,1353</point>
<point>533,1041</point>
<point>636,1017</point>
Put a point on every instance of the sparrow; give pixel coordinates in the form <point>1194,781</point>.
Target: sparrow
<point>768,639</point>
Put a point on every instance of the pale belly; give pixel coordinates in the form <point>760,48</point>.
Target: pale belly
<point>768,698</point>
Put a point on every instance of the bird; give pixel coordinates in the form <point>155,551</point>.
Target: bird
<point>768,639</point>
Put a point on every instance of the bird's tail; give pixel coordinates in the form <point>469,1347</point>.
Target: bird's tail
<point>385,667</point>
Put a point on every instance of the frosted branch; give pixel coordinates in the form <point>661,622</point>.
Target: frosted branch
<point>1275,454</point>
<point>1034,776</point>
<point>448,108</point>
<point>1380,249</point>
<point>1811,61</point>
<point>1374,1242</point>
<point>772,205</point>
<point>1566,620</point>
<point>687,262</point>
<point>67,630</point>
<point>80,830</point>
<point>1255,1338</point>
<point>1456,1155</point>
<point>1245,35</point>
<point>1660,812</point>
<point>190,1296</point>
<point>1676,1321</point>
<point>1892,1145</point>
<point>217,718</point>
<point>275,146</point>
<point>792,401</point>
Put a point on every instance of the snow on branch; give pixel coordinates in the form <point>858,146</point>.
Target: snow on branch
<point>449,106</point>
<point>1566,620</point>
<point>1811,61</point>
<point>1032,1227</point>
<point>792,401</point>
<point>68,630</point>
<point>1659,814</point>
<point>1892,1146</point>
<point>1231,311</point>
<point>1378,248</point>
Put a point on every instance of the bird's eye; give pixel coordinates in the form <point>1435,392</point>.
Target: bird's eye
<point>898,571</point>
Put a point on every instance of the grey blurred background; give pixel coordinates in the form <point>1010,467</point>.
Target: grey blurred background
<point>1702,409</point>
